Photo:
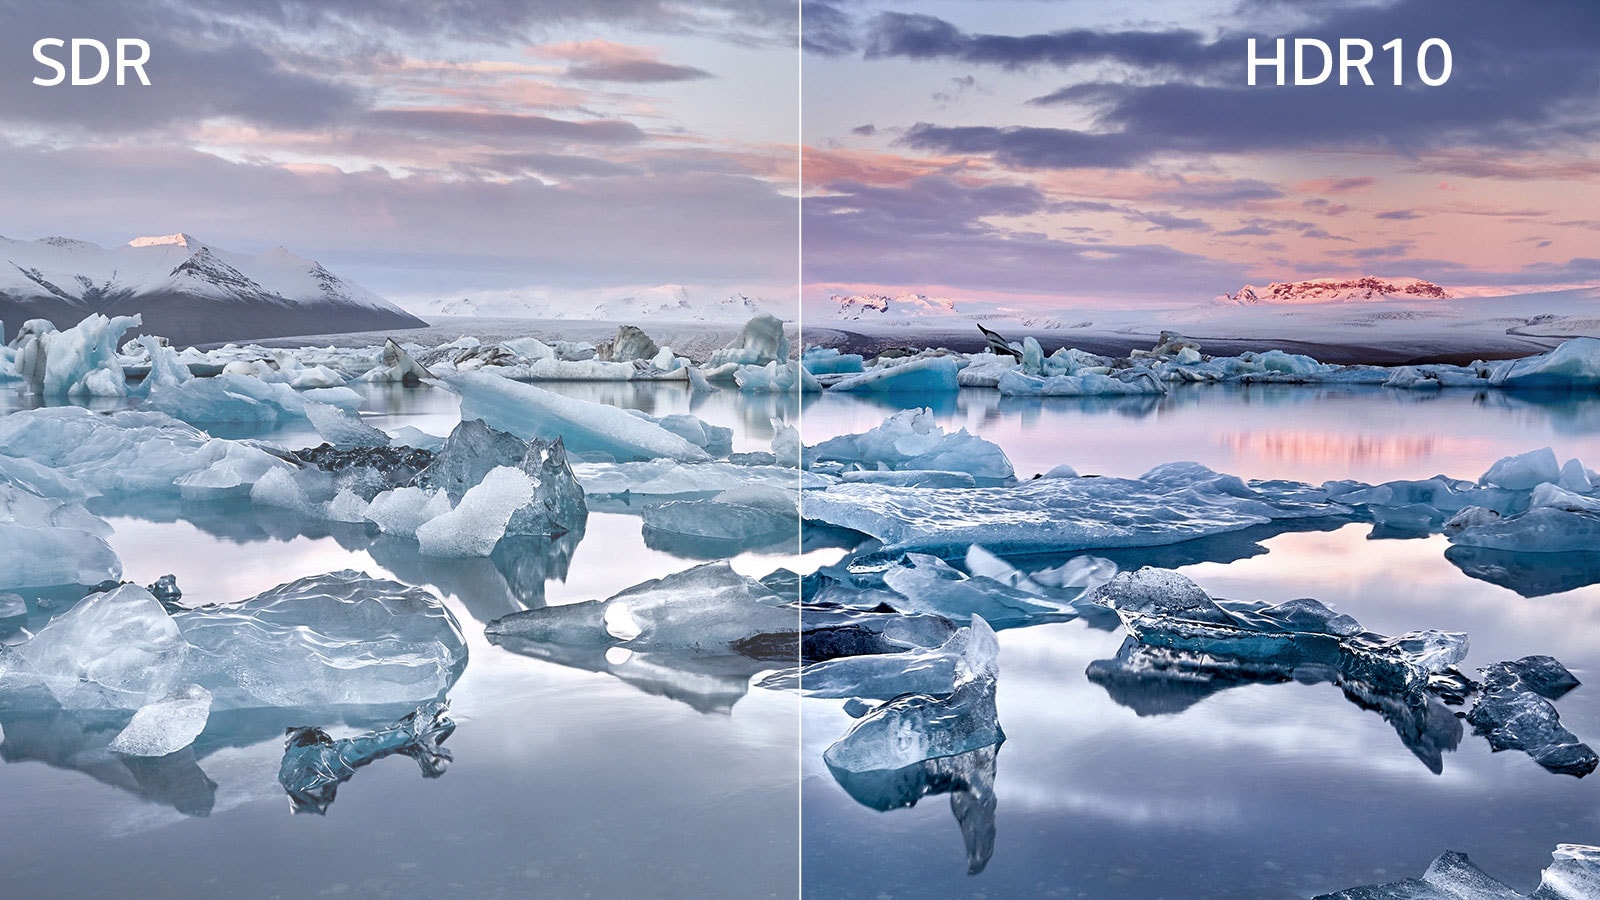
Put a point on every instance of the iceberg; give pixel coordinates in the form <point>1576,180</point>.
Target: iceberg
<point>470,451</point>
<point>1514,712</point>
<point>709,608</point>
<point>667,478</point>
<point>342,428</point>
<point>1523,472</point>
<point>315,764</point>
<point>81,361</point>
<point>1540,530</point>
<point>748,516</point>
<point>1169,504</point>
<point>776,378</point>
<point>397,366</point>
<point>928,584</point>
<point>231,398</point>
<point>913,440</point>
<point>913,728</point>
<point>879,675</point>
<point>115,649</point>
<point>829,361</point>
<point>1573,364</point>
<point>51,541</point>
<point>1574,875</point>
<point>932,375</point>
<point>403,510</point>
<point>478,522</point>
<point>166,725</point>
<point>1013,383</point>
<point>1162,608</point>
<point>761,341</point>
<point>528,412</point>
<point>343,638</point>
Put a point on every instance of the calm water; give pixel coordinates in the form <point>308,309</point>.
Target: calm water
<point>618,776</point>
<point>1281,790</point>
<point>569,781</point>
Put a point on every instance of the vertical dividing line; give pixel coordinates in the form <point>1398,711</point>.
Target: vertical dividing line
<point>800,418</point>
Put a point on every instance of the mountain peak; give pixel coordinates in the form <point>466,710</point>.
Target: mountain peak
<point>909,305</point>
<point>1363,289</point>
<point>166,240</point>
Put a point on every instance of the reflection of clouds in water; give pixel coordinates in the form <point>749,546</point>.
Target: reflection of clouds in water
<point>1329,449</point>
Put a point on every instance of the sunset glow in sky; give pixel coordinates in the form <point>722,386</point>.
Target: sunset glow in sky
<point>1065,153</point>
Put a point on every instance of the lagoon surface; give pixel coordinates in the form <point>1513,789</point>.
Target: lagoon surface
<point>1259,790</point>
<point>615,775</point>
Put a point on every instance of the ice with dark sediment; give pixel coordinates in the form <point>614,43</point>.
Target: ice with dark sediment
<point>912,728</point>
<point>1169,504</point>
<point>470,451</point>
<point>878,675</point>
<point>914,440</point>
<point>396,365</point>
<point>528,412</point>
<point>315,764</point>
<point>1574,874</point>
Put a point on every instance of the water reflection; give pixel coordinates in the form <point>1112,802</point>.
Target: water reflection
<point>968,778</point>
<point>1529,574</point>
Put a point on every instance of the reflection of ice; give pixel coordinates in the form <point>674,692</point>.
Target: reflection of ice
<point>968,778</point>
<point>1529,574</point>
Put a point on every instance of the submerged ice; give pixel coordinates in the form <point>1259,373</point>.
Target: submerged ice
<point>315,764</point>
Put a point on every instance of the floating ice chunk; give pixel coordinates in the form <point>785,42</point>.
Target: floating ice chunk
<point>1556,497</point>
<point>829,361</point>
<point>930,585</point>
<point>40,556</point>
<point>1575,478</point>
<point>316,377</point>
<point>745,514</point>
<point>403,510</point>
<point>342,428</point>
<point>82,361</point>
<point>914,478</point>
<point>529,412</point>
<point>776,378</point>
<point>479,521</point>
<point>716,440</point>
<point>1169,504</point>
<point>231,398</point>
<point>1412,378</point>
<point>558,504</point>
<point>666,478</point>
<point>472,449</point>
<point>708,608</point>
<point>166,368</point>
<point>409,436</point>
<point>1573,364</point>
<point>166,725</point>
<point>112,650</point>
<point>877,675</point>
<point>913,439</point>
<point>1014,383</point>
<point>1539,530</point>
<point>126,451</point>
<point>1162,608</point>
<point>786,447</point>
<point>1515,713</point>
<point>1079,573</point>
<point>632,343</point>
<point>325,640</point>
<point>934,374</point>
<point>1525,471</point>
<point>1574,875</point>
<point>396,365</point>
<point>916,727</point>
<point>760,341</point>
<point>347,506</point>
<point>314,764</point>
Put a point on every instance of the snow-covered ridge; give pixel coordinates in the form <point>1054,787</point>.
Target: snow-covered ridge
<point>184,288</point>
<point>665,303</point>
<point>876,307</point>
<point>1366,289</point>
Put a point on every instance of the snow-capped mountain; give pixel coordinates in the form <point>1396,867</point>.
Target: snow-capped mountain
<point>185,289</point>
<point>1366,289</point>
<point>662,303</point>
<point>878,307</point>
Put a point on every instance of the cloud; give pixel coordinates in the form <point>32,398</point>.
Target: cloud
<point>1399,215</point>
<point>827,30</point>
<point>455,122</point>
<point>915,36</point>
<point>601,60</point>
<point>1360,184</point>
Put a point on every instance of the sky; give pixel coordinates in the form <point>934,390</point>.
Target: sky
<point>1061,154</point>
<point>570,149</point>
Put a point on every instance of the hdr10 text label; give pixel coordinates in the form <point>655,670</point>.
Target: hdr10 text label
<point>1433,61</point>
<point>132,53</point>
